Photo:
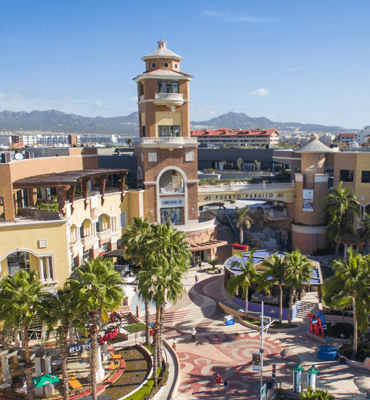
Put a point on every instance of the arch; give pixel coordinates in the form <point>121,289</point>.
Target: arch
<point>103,223</point>
<point>86,228</point>
<point>185,194</point>
<point>74,233</point>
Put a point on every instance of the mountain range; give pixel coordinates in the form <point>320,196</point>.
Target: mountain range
<point>57,121</point>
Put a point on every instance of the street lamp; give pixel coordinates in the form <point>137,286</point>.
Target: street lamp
<point>262,395</point>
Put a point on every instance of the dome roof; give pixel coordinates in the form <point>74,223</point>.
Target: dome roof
<point>314,146</point>
<point>162,52</point>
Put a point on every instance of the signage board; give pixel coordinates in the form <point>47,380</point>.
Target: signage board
<point>256,361</point>
<point>263,392</point>
<point>307,200</point>
<point>172,202</point>
<point>79,347</point>
<point>286,195</point>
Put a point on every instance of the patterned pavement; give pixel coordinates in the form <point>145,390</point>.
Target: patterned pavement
<point>227,350</point>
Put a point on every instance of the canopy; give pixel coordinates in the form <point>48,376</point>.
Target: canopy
<point>44,380</point>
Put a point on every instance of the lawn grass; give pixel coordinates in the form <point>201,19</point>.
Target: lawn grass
<point>135,327</point>
<point>277,325</point>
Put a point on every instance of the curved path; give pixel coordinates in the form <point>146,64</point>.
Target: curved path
<point>228,349</point>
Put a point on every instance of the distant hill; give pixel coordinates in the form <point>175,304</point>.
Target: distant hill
<point>57,121</point>
<point>243,121</point>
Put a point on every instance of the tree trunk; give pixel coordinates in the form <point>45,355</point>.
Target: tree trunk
<point>241,234</point>
<point>147,322</point>
<point>280,304</point>
<point>160,336</point>
<point>28,362</point>
<point>64,356</point>
<point>291,295</point>
<point>246,301</point>
<point>155,354</point>
<point>355,329</point>
<point>94,352</point>
<point>337,248</point>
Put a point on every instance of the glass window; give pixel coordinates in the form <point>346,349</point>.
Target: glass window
<point>346,175</point>
<point>18,261</point>
<point>172,214</point>
<point>2,209</point>
<point>168,130</point>
<point>123,219</point>
<point>167,87</point>
<point>365,178</point>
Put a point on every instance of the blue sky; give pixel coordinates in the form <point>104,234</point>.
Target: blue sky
<point>300,61</point>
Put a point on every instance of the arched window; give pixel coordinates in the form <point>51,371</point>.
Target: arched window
<point>86,229</point>
<point>17,261</point>
<point>171,182</point>
<point>103,223</point>
<point>74,235</point>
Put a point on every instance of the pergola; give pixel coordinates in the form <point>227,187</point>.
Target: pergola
<point>66,182</point>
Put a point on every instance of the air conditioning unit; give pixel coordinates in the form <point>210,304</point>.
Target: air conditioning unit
<point>43,243</point>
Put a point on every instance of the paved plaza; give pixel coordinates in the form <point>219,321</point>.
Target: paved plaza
<point>227,350</point>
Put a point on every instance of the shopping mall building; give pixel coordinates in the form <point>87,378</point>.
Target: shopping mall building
<point>84,203</point>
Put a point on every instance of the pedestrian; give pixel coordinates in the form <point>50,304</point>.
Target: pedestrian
<point>200,264</point>
<point>218,381</point>
<point>174,344</point>
<point>196,278</point>
<point>225,385</point>
<point>193,333</point>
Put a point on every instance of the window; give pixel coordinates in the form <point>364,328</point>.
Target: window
<point>346,175</point>
<point>2,209</point>
<point>74,237</point>
<point>143,128</point>
<point>172,214</point>
<point>168,130</point>
<point>114,224</point>
<point>123,220</point>
<point>18,261</point>
<point>103,223</point>
<point>86,229</point>
<point>154,65</point>
<point>365,178</point>
<point>167,87</point>
<point>165,65</point>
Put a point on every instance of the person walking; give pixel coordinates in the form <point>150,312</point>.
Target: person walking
<point>225,385</point>
<point>174,344</point>
<point>193,333</point>
<point>200,264</point>
<point>196,278</point>
<point>218,381</point>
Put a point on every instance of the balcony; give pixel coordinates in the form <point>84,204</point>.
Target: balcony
<point>166,142</point>
<point>103,235</point>
<point>169,99</point>
<point>87,241</point>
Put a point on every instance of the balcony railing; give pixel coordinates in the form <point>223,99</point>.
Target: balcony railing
<point>104,234</point>
<point>87,241</point>
<point>169,98</point>
<point>164,140</point>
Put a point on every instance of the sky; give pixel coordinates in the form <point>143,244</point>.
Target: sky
<point>286,60</point>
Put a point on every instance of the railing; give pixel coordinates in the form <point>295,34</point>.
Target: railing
<point>251,186</point>
<point>169,97</point>
<point>159,140</point>
<point>104,234</point>
<point>87,241</point>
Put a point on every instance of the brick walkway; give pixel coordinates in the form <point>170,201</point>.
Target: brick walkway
<point>228,349</point>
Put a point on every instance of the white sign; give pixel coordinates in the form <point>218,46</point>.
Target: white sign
<point>263,392</point>
<point>256,361</point>
<point>307,200</point>
<point>172,202</point>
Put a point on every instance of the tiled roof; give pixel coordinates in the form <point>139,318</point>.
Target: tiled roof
<point>162,52</point>
<point>347,135</point>
<point>226,132</point>
<point>314,146</point>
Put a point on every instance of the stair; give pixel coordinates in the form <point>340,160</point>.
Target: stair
<point>309,305</point>
<point>173,317</point>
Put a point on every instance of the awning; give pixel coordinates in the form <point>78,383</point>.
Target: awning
<point>113,253</point>
<point>44,380</point>
<point>207,245</point>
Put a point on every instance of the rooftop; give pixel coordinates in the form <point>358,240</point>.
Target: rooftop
<point>162,52</point>
<point>314,146</point>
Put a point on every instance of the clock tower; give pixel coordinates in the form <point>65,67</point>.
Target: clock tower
<point>166,154</point>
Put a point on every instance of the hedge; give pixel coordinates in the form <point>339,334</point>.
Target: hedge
<point>143,392</point>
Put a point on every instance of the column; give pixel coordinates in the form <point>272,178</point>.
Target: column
<point>105,351</point>
<point>41,268</point>
<point>39,391</point>
<point>48,272</point>
<point>48,389</point>
<point>99,366</point>
<point>5,368</point>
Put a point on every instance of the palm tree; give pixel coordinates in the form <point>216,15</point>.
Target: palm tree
<point>134,241</point>
<point>243,219</point>
<point>364,231</point>
<point>160,277</point>
<point>19,303</point>
<point>338,205</point>
<point>275,273</point>
<point>99,291</point>
<point>247,276</point>
<point>60,313</point>
<point>299,271</point>
<point>349,286</point>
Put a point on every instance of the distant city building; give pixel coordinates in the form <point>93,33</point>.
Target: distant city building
<point>347,138</point>
<point>223,136</point>
<point>363,136</point>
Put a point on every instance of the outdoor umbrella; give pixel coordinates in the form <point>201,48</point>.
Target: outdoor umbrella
<point>44,380</point>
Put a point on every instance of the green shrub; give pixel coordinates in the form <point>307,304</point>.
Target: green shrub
<point>48,207</point>
<point>149,347</point>
<point>316,395</point>
<point>143,392</point>
<point>280,393</point>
